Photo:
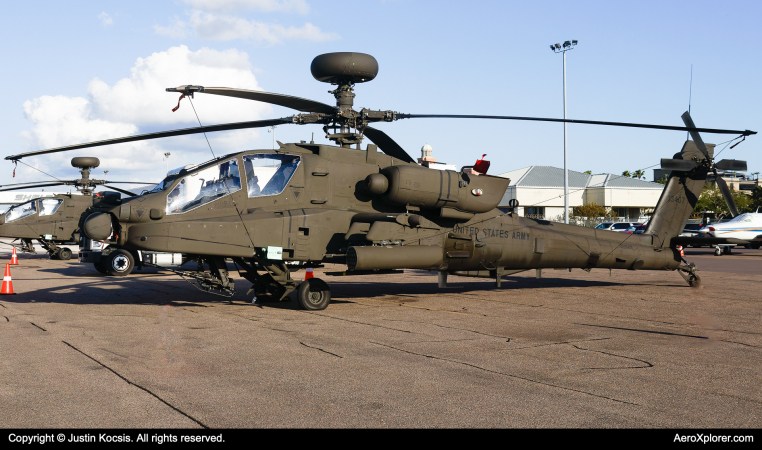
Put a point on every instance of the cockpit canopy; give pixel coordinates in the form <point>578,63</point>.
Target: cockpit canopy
<point>264,174</point>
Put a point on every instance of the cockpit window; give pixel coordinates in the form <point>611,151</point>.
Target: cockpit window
<point>49,206</point>
<point>204,186</point>
<point>269,174</point>
<point>20,211</point>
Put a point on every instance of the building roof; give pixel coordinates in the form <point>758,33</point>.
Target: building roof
<point>553,177</point>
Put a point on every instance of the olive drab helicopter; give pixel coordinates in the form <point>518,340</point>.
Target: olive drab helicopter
<point>373,211</point>
<point>54,221</point>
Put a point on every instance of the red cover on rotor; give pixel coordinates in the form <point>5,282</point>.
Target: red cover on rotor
<point>481,165</point>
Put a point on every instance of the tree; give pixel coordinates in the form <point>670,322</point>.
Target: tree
<point>663,180</point>
<point>638,174</point>
<point>626,173</point>
<point>711,199</point>
<point>590,210</point>
<point>589,172</point>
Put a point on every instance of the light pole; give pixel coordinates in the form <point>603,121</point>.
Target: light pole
<point>166,158</point>
<point>558,48</point>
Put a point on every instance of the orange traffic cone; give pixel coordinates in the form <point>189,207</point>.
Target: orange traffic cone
<point>309,274</point>
<point>14,258</point>
<point>7,283</point>
<point>680,248</point>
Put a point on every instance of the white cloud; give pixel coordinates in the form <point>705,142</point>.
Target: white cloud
<point>105,19</point>
<point>287,6</point>
<point>177,29</point>
<point>139,104</point>
<point>227,27</point>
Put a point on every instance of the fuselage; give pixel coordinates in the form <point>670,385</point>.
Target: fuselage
<point>311,203</point>
<point>743,226</point>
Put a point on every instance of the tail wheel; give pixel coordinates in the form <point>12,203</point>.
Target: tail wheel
<point>64,254</point>
<point>313,295</point>
<point>120,263</point>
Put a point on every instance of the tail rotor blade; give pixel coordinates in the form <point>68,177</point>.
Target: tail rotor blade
<point>731,164</point>
<point>694,134</point>
<point>726,194</point>
<point>683,165</point>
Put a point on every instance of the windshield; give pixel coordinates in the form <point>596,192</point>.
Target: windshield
<point>204,186</point>
<point>741,218</point>
<point>604,225</point>
<point>49,206</point>
<point>269,174</point>
<point>21,211</point>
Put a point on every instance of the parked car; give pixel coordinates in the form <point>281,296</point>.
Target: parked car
<point>616,226</point>
<point>637,229</point>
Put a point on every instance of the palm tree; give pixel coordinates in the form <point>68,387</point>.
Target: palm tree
<point>626,173</point>
<point>638,174</point>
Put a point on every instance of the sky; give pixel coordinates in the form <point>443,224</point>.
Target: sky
<point>82,71</point>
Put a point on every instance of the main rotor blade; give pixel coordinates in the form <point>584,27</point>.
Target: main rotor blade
<point>387,144</point>
<point>726,194</point>
<point>121,190</point>
<point>160,134</point>
<point>589,122</point>
<point>129,182</point>
<point>694,134</point>
<point>33,185</point>
<point>23,185</point>
<point>297,103</point>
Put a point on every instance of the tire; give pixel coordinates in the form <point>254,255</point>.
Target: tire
<point>695,282</point>
<point>313,295</point>
<point>64,254</point>
<point>100,268</point>
<point>755,246</point>
<point>120,263</point>
<point>717,251</point>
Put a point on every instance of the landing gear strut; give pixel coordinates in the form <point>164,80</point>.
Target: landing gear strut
<point>688,272</point>
<point>275,283</point>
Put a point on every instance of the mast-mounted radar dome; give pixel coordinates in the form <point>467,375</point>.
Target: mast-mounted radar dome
<point>85,162</point>
<point>344,67</point>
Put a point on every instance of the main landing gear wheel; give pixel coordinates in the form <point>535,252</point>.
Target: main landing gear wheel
<point>120,263</point>
<point>717,251</point>
<point>313,295</point>
<point>100,267</point>
<point>64,254</point>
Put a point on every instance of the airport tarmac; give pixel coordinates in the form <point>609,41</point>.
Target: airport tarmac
<point>573,349</point>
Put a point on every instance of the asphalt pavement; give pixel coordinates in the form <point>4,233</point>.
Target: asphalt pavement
<point>620,349</point>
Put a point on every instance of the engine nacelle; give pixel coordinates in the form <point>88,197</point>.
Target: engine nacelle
<point>434,189</point>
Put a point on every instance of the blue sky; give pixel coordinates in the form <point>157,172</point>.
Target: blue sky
<point>81,71</point>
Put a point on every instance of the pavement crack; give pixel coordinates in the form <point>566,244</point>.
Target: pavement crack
<point>7,319</point>
<point>137,386</point>
<point>556,343</point>
<point>506,374</point>
<point>454,328</point>
<point>647,364</point>
<point>643,331</point>
<point>359,323</point>
<point>320,349</point>
<point>43,329</point>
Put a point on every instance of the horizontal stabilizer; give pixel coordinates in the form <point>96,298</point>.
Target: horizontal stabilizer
<point>707,241</point>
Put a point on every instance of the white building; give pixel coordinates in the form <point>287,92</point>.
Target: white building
<point>540,192</point>
<point>427,160</point>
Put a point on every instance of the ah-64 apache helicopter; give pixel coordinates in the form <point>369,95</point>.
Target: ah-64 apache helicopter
<point>54,221</point>
<point>318,203</point>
